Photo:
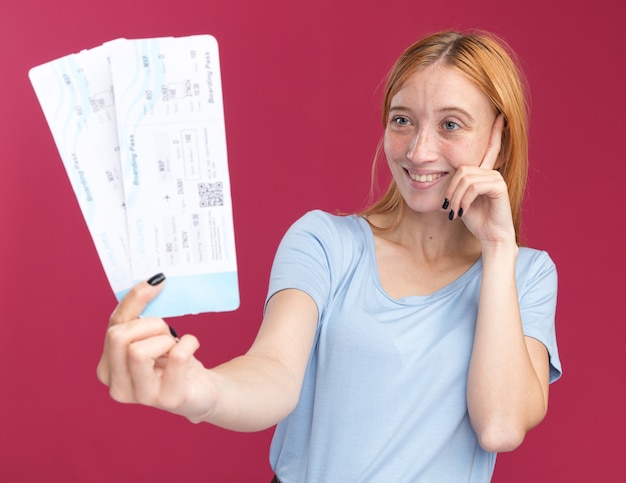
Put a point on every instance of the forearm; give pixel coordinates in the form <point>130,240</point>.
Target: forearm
<point>252,392</point>
<point>257,390</point>
<point>505,396</point>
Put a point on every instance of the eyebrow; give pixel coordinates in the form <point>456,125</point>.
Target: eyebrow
<point>398,108</point>
<point>453,109</point>
<point>442,110</point>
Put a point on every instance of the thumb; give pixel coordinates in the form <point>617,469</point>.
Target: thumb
<point>135,301</point>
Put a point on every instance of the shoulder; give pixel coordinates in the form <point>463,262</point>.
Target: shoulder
<point>316,252</point>
<point>326,226</point>
<point>324,219</point>
<point>536,273</point>
<point>337,240</point>
<point>532,261</point>
<point>532,255</point>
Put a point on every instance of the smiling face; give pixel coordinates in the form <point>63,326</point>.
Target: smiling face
<point>437,121</point>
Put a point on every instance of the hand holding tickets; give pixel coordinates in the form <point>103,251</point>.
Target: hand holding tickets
<point>139,125</point>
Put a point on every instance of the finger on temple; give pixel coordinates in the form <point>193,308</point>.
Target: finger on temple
<point>495,142</point>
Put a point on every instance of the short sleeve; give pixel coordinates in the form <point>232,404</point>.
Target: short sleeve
<point>537,286</point>
<point>302,260</point>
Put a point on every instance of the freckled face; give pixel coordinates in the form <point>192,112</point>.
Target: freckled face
<point>437,121</point>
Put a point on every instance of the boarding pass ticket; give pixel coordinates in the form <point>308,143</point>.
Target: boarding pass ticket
<point>139,126</point>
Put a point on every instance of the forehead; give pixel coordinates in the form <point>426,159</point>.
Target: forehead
<point>438,86</point>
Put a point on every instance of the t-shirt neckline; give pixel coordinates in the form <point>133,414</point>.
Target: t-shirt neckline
<point>462,280</point>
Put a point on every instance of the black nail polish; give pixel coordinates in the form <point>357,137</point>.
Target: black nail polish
<point>446,203</point>
<point>156,279</point>
<point>460,212</point>
<point>173,332</point>
<point>451,215</point>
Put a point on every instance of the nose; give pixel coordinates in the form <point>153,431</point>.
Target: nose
<point>422,148</point>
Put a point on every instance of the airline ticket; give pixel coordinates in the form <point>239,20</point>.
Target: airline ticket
<point>139,126</point>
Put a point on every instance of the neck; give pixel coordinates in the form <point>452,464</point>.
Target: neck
<point>430,236</point>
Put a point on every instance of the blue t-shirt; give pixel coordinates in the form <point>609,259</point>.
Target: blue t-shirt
<point>384,395</point>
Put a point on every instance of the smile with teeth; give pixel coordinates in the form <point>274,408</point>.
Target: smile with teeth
<point>425,178</point>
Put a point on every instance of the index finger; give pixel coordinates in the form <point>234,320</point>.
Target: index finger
<point>135,301</point>
<point>495,143</point>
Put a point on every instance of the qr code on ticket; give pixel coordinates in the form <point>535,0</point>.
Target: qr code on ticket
<point>211,194</point>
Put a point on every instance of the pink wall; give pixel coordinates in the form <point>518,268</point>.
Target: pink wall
<point>301,82</point>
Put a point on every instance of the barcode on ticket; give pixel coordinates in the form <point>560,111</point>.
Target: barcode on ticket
<point>211,194</point>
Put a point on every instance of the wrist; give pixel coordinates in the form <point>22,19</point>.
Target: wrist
<point>500,251</point>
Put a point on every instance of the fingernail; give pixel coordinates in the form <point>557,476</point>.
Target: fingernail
<point>460,212</point>
<point>156,279</point>
<point>446,203</point>
<point>451,215</point>
<point>173,332</point>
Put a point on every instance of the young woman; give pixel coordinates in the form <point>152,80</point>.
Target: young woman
<point>411,342</point>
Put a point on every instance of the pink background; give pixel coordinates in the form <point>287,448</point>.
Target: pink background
<point>302,84</point>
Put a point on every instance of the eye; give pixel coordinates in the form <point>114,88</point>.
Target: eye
<point>400,121</point>
<point>450,126</point>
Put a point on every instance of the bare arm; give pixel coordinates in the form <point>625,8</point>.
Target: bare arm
<point>142,363</point>
<point>262,387</point>
<point>508,378</point>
